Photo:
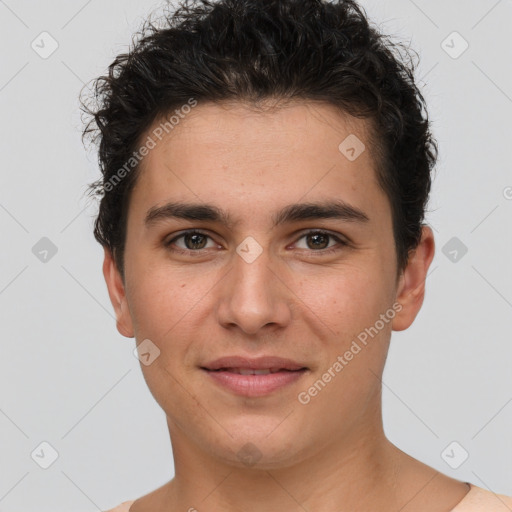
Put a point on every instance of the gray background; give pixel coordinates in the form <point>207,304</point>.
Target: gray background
<point>68,378</point>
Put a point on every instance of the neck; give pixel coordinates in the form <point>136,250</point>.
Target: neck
<point>356,472</point>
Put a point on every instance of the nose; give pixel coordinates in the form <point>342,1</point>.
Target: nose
<point>253,297</point>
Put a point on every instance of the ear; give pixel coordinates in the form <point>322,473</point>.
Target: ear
<point>411,286</point>
<point>116,292</point>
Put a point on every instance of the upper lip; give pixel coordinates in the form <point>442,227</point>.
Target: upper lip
<point>259,363</point>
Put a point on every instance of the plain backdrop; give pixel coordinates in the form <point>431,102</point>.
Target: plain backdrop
<point>67,378</point>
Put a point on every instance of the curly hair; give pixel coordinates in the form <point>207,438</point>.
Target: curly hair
<point>252,50</point>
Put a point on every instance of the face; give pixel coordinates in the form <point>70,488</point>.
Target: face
<point>282,246</point>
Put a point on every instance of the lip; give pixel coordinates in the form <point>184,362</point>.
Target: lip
<point>258,363</point>
<point>285,373</point>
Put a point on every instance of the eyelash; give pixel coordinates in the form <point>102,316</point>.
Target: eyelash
<point>321,252</point>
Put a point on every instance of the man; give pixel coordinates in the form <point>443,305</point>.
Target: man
<point>266,167</point>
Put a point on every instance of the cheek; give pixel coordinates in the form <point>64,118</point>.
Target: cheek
<point>346,301</point>
<point>163,299</point>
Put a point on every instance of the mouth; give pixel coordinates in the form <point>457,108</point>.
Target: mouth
<point>253,371</point>
<point>254,377</point>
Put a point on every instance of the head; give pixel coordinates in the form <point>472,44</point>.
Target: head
<point>291,137</point>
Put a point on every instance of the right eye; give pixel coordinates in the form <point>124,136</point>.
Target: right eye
<point>192,241</point>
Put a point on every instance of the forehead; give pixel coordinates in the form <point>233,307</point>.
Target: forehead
<point>246,157</point>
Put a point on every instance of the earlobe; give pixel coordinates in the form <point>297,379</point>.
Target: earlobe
<point>411,287</point>
<point>117,294</point>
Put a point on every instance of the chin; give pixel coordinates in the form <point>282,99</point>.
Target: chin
<point>266,444</point>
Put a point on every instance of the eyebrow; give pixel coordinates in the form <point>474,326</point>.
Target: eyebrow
<point>339,210</point>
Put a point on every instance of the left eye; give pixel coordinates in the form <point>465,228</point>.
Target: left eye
<point>319,240</point>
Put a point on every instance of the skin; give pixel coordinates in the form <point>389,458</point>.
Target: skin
<point>294,301</point>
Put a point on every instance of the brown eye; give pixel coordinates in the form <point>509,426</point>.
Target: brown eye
<point>320,243</point>
<point>317,240</point>
<point>192,241</point>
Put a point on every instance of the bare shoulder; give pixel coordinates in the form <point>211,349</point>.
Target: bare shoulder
<point>152,501</point>
<point>482,500</point>
<point>124,507</point>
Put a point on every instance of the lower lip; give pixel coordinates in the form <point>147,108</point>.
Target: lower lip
<point>255,385</point>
